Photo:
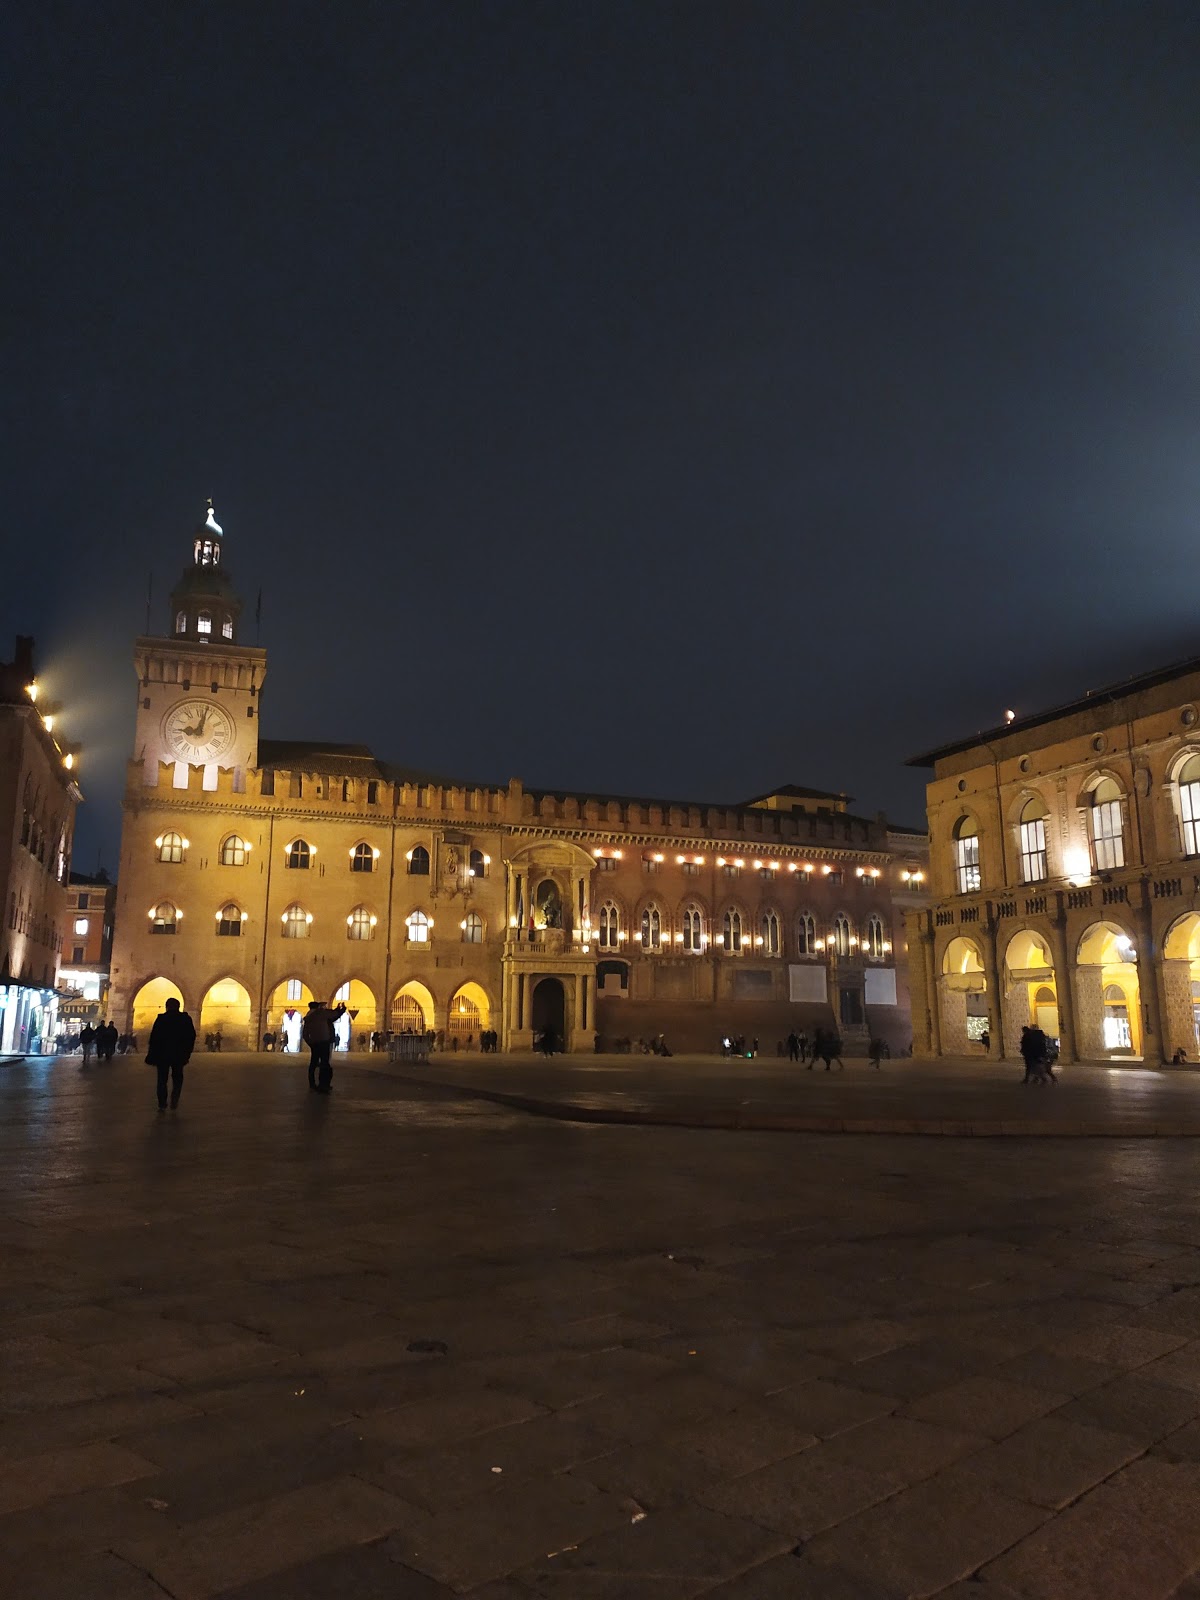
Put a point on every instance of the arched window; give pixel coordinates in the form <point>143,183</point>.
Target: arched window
<point>362,858</point>
<point>966,855</point>
<point>165,918</point>
<point>295,989</point>
<point>227,628</point>
<point>478,864</point>
<point>806,934</point>
<point>1189,804</point>
<point>181,622</point>
<point>234,851</point>
<point>842,934</point>
<point>418,925</point>
<point>1033,841</point>
<point>731,932</point>
<point>299,854</point>
<point>693,931</point>
<point>171,847</point>
<point>229,921</point>
<point>418,862</point>
<point>472,930</point>
<point>875,940</point>
<point>610,926</point>
<point>651,937</point>
<point>296,922</point>
<point>1107,826</point>
<point>203,623</point>
<point>360,924</point>
<point>768,933</point>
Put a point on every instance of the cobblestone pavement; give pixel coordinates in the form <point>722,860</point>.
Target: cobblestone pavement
<point>902,1096</point>
<point>404,1343</point>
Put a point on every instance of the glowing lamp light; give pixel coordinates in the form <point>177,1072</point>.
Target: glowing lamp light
<point>757,866</point>
<point>774,865</point>
<point>219,917</point>
<point>308,916</point>
<point>68,761</point>
<point>679,860</point>
<point>887,947</point>
<point>720,861</point>
<point>187,844</point>
<point>48,724</point>
<point>874,872</point>
<point>738,861</point>
<point>374,920</point>
<point>350,921</point>
<point>758,938</point>
<point>791,866</point>
<point>32,690</point>
<point>597,854</point>
<point>820,944</point>
<point>158,842</point>
<point>699,861</point>
<point>618,854</point>
<point>408,855</point>
<point>179,916</point>
<point>487,861</point>
<point>622,936</point>
<point>860,872</point>
<point>826,870</point>
<point>375,852</point>
<point>659,856</point>
<point>678,938</point>
<point>245,916</point>
<point>283,918</point>
<point>430,924</point>
<point>463,924</point>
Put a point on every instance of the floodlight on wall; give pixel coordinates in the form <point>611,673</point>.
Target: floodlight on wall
<point>826,870</point>
<point>32,690</point>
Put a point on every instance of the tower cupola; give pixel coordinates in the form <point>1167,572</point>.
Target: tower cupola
<point>204,606</point>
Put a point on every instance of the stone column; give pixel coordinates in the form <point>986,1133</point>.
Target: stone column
<point>931,987</point>
<point>1064,975</point>
<point>1154,1049</point>
<point>991,968</point>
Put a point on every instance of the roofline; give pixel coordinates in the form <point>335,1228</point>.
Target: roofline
<point>1038,719</point>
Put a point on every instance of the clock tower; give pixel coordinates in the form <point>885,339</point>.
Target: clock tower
<point>198,688</point>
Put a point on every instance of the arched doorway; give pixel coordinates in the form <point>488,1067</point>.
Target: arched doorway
<point>1030,986</point>
<point>285,1012</point>
<point>147,1003</point>
<point>1106,989</point>
<point>225,1010</point>
<point>549,1011</point>
<point>1181,985</point>
<point>962,998</point>
<point>468,1016</point>
<point>412,1008</point>
<point>353,1030</point>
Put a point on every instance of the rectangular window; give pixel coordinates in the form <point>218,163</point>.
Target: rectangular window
<point>372,792</point>
<point>83,902</point>
<point>77,954</point>
<point>1033,851</point>
<point>606,863</point>
<point>967,862</point>
<point>691,869</point>
<point>651,866</point>
<point>1189,801</point>
<point>1108,837</point>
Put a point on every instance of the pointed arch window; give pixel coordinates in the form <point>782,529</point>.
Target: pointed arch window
<point>610,926</point>
<point>473,928</point>
<point>418,926</point>
<point>418,862</point>
<point>843,935</point>
<point>181,622</point>
<point>299,855</point>
<point>360,924</point>
<point>731,932</point>
<point>693,931</point>
<point>651,937</point>
<point>296,922</point>
<point>204,623</point>
<point>1033,841</point>
<point>234,851</point>
<point>478,864</point>
<point>966,855</point>
<point>229,921</point>
<point>768,933</point>
<point>1107,826</point>
<point>171,847</point>
<point>806,934</point>
<point>362,858</point>
<point>227,628</point>
<point>165,918</point>
<point>875,941</point>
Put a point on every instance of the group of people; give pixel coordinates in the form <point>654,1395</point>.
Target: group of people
<point>1039,1055</point>
<point>101,1040</point>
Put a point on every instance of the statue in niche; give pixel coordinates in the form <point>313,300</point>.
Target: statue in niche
<point>451,861</point>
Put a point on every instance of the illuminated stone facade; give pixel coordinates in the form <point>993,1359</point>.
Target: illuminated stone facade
<point>38,796</point>
<point>1065,879</point>
<point>257,874</point>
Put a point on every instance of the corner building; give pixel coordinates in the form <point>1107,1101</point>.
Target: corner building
<point>1065,879</point>
<point>257,874</point>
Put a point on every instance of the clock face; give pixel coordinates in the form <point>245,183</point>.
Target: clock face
<point>197,731</point>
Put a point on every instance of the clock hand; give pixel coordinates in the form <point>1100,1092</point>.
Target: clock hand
<point>203,720</point>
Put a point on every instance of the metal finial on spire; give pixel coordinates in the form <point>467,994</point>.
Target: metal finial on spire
<point>211,520</point>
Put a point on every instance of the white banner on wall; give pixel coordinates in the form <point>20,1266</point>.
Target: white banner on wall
<point>879,988</point>
<point>807,984</point>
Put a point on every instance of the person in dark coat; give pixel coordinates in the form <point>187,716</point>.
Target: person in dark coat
<point>87,1041</point>
<point>317,1033</point>
<point>172,1039</point>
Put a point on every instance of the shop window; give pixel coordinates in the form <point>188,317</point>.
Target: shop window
<point>966,855</point>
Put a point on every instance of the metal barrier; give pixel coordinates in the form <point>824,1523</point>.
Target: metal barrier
<point>408,1048</point>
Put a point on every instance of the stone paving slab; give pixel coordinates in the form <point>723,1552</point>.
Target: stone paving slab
<point>405,1343</point>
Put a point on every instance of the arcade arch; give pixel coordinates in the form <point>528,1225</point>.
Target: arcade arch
<point>469,1014</point>
<point>1107,998</point>
<point>147,1003</point>
<point>412,1008</point>
<point>285,1012</point>
<point>359,1016</point>
<point>963,997</point>
<point>1030,986</point>
<point>225,1009</point>
<point>1181,985</point>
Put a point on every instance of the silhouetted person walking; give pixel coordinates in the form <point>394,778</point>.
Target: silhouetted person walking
<point>172,1039</point>
<point>87,1041</point>
<point>318,1035</point>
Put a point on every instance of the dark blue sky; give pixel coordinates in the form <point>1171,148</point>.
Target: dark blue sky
<point>678,399</point>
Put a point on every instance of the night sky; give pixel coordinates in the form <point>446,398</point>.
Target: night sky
<point>657,399</point>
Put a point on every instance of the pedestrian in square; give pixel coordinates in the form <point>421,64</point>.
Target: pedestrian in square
<point>172,1039</point>
<point>317,1033</point>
